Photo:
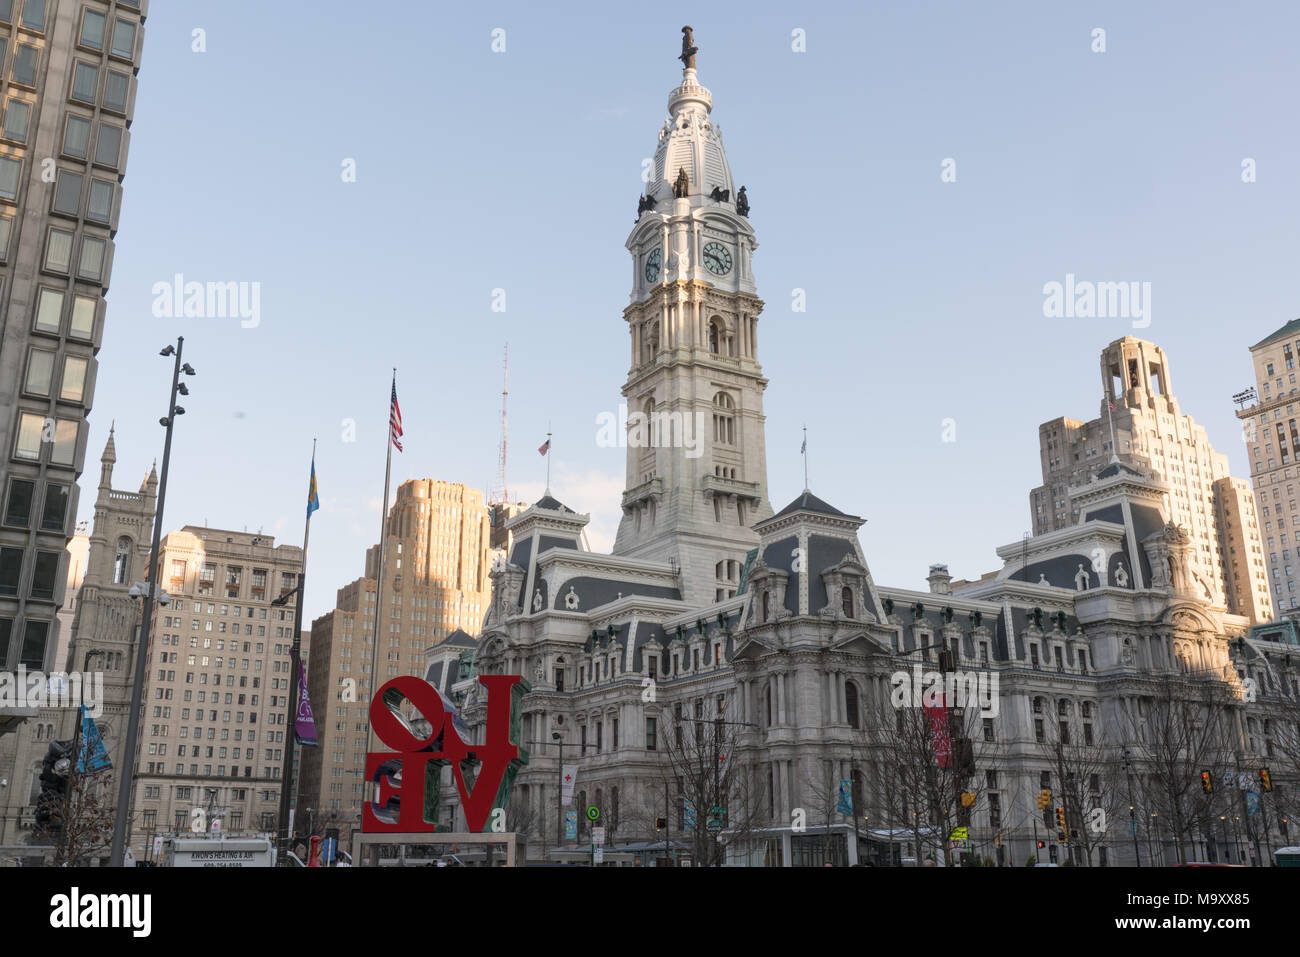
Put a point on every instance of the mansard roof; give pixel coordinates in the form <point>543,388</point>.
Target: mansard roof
<point>1291,329</point>
<point>551,503</point>
<point>808,502</point>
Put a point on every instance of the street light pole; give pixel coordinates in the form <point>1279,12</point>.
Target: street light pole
<point>126,785</point>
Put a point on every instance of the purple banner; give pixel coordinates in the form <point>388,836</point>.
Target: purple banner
<point>304,725</point>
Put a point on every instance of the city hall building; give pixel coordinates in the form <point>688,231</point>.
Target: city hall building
<point>734,686</point>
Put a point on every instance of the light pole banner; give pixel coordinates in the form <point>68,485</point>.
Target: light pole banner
<point>570,779</point>
<point>570,825</point>
<point>845,803</point>
<point>304,724</point>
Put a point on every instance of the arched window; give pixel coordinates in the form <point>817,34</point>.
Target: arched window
<point>122,563</point>
<point>766,610</point>
<point>846,601</point>
<point>647,438</point>
<point>651,347</point>
<point>715,336</point>
<point>851,703</point>
<point>768,694</point>
<point>724,419</point>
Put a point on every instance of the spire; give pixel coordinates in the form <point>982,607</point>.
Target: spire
<point>108,459</point>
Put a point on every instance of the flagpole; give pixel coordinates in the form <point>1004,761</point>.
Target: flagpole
<point>805,458</point>
<point>379,590</point>
<point>295,656</point>
<point>548,460</point>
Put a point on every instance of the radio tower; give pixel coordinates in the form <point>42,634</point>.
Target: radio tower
<point>501,494</point>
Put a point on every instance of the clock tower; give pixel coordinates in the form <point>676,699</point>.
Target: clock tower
<point>696,457</point>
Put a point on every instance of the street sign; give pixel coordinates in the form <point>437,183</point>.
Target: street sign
<point>598,836</point>
<point>158,844</point>
<point>959,834</point>
<point>959,845</point>
<point>593,813</point>
<point>598,856</point>
<point>328,847</point>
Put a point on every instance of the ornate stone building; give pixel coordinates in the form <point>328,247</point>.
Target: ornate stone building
<point>748,659</point>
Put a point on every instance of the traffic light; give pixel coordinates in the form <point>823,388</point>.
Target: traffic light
<point>1041,845</point>
<point>661,823</point>
<point>1044,799</point>
<point>54,791</point>
<point>1061,829</point>
<point>1265,779</point>
<point>1207,782</point>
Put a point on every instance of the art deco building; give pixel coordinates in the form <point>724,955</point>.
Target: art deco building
<point>436,565</point>
<point>68,77</point>
<point>1154,435</point>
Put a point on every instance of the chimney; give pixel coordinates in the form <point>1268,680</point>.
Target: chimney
<point>940,581</point>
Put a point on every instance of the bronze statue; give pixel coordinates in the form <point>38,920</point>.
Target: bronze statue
<point>720,195</point>
<point>682,187</point>
<point>688,49</point>
<point>643,203</point>
<point>742,202</point>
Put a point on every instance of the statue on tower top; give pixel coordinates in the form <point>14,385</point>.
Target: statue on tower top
<point>688,49</point>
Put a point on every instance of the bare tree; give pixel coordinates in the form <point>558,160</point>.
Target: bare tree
<point>1182,728</point>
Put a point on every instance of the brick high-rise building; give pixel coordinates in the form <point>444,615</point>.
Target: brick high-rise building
<point>436,564</point>
<point>1155,436</point>
<point>1273,444</point>
<point>218,684</point>
<point>68,71</point>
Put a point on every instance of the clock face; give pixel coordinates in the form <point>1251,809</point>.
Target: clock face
<point>717,259</point>
<point>652,264</point>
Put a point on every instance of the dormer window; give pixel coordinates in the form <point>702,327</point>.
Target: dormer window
<point>846,601</point>
<point>766,610</point>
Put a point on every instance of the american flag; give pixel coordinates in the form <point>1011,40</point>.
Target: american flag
<point>395,419</point>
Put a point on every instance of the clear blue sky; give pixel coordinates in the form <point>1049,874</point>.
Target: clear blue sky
<point>521,171</point>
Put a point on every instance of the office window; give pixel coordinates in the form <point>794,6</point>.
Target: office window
<point>16,115</point>
<point>85,80</point>
<point>18,506</point>
<point>49,308</point>
<point>6,229</point>
<point>74,379</point>
<point>91,265</point>
<point>28,443</point>
<point>58,250</point>
<point>101,201</point>
<point>67,192</point>
<point>123,38</point>
<point>76,137</point>
<point>6,10</point>
<point>65,442</point>
<point>83,317</point>
<point>115,91</point>
<point>46,567</point>
<point>24,70</point>
<point>9,172</point>
<point>35,635</point>
<point>40,370</point>
<point>92,30</point>
<point>55,513</point>
<point>34,15</point>
<point>11,564</point>
<point>109,145</point>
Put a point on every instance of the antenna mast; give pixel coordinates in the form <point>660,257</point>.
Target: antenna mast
<point>500,493</point>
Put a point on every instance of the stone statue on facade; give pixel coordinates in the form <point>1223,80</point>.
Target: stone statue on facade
<point>742,203</point>
<point>682,185</point>
<point>1081,579</point>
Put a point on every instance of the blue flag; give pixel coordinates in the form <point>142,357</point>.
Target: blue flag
<point>94,756</point>
<point>845,803</point>
<point>313,500</point>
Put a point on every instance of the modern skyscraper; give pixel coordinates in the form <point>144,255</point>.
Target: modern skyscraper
<point>436,565</point>
<point>1273,443</point>
<point>69,81</point>
<point>1140,414</point>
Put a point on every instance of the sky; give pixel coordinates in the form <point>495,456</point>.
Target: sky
<point>923,363</point>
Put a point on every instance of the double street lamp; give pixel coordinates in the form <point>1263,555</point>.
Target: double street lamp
<point>150,592</point>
